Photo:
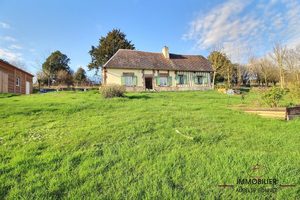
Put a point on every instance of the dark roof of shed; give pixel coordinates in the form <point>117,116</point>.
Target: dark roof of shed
<point>132,59</point>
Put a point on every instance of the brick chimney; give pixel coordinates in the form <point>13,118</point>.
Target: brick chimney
<point>165,52</point>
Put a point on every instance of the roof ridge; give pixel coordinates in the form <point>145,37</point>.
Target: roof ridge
<point>140,51</point>
<point>159,52</point>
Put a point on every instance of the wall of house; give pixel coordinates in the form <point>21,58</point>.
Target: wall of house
<point>13,73</point>
<point>113,76</point>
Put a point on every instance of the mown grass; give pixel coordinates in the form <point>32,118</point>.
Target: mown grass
<point>78,145</point>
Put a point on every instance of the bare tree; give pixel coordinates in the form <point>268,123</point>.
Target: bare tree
<point>292,61</point>
<point>297,66</point>
<point>253,70</point>
<point>236,56</point>
<point>214,60</point>
<point>264,70</point>
<point>41,78</point>
<point>279,54</point>
<point>64,77</point>
<point>19,63</point>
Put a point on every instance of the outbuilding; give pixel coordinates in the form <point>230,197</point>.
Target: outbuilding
<point>14,79</point>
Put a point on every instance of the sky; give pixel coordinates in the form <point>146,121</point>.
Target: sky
<point>30,30</point>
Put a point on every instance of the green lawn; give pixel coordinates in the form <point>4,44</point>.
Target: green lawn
<point>79,145</point>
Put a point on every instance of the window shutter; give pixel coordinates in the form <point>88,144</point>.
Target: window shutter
<point>177,79</point>
<point>134,80</point>
<point>205,79</point>
<point>195,79</point>
<point>185,79</point>
<point>157,80</point>
<point>122,80</point>
<point>169,80</point>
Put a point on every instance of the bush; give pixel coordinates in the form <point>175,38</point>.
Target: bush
<point>110,91</point>
<point>294,92</point>
<point>273,96</point>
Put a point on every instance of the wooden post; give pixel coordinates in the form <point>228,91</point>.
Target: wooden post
<point>104,76</point>
<point>143,79</point>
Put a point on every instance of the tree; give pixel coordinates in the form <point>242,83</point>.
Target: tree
<point>245,74</point>
<point>292,61</point>
<point>273,96</point>
<point>55,62</point>
<point>264,70</point>
<point>107,47</point>
<point>42,78</point>
<point>80,76</point>
<point>236,55</point>
<point>221,65</point>
<point>64,77</point>
<point>240,74</point>
<point>279,53</point>
<point>217,60</point>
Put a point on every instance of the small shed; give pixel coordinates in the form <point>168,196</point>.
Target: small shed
<point>14,79</point>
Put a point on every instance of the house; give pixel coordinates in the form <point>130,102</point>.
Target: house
<point>139,71</point>
<point>14,79</point>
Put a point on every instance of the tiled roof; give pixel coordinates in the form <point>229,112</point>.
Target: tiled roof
<point>132,59</point>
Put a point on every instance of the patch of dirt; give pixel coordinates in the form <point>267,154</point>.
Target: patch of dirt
<point>278,113</point>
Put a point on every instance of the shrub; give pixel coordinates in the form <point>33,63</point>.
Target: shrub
<point>294,92</point>
<point>110,91</point>
<point>273,96</point>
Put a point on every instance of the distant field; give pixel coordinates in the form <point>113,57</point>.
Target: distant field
<point>168,145</point>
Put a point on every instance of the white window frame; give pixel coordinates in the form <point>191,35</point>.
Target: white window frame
<point>128,81</point>
<point>163,81</point>
<point>198,78</point>
<point>181,77</point>
<point>18,81</point>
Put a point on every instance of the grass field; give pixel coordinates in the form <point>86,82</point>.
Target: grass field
<point>78,145</point>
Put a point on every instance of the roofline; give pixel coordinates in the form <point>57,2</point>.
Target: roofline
<point>110,58</point>
<point>163,69</point>
<point>156,53</point>
<point>7,63</point>
<point>104,66</point>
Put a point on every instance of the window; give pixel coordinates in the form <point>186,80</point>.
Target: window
<point>163,81</point>
<point>180,79</point>
<point>18,81</point>
<point>199,80</point>
<point>128,80</point>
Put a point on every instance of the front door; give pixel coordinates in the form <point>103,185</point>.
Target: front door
<point>148,83</point>
<point>27,87</point>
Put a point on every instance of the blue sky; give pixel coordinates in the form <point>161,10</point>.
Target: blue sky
<point>30,30</point>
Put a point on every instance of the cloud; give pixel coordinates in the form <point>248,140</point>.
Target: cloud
<point>247,26</point>
<point>8,38</point>
<point>10,56</point>
<point>15,46</point>
<point>4,25</point>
